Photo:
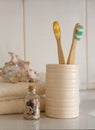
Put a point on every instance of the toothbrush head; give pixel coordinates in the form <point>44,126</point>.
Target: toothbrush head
<point>56,29</point>
<point>78,31</point>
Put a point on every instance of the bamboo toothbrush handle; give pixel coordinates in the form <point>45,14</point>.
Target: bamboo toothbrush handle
<point>77,34</point>
<point>57,33</point>
<point>71,58</point>
<point>60,52</point>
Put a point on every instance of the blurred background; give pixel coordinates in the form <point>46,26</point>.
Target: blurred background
<point>26,28</point>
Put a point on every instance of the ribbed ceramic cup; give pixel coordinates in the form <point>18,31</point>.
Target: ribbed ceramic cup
<point>62,90</point>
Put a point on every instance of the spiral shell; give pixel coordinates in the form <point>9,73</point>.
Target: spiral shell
<point>18,70</point>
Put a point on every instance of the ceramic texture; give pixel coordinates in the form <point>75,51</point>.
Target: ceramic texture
<point>62,91</point>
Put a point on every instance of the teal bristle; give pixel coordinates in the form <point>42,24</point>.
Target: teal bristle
<point>79,32</point>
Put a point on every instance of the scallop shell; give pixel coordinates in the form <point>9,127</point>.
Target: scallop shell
<point>18,70</point>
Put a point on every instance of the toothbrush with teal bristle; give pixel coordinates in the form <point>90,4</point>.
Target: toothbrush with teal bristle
<point>77,35</point>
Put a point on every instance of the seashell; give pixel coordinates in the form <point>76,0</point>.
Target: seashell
<point>18,70</point>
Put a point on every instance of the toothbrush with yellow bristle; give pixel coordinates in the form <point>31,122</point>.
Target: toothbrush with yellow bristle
<point>77,35</point>
<point>57,33</point>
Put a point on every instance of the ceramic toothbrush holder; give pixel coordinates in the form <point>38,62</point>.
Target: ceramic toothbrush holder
<point>62,90</point>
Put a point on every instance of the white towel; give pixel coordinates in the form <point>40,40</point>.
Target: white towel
<point>11,105</point>
<point>19,89</point>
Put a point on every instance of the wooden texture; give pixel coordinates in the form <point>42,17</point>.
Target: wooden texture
<point>57,32</point>
<point>60,52</point>
<point>71,58</point>
<point>72,53</point>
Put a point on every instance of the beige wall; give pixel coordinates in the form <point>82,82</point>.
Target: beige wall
<point>31,27</point>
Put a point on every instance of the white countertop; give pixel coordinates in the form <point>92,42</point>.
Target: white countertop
<point>86,119</point>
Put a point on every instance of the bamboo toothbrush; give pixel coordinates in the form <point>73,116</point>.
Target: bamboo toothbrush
<point>77,34</point>
<point>57,33</point>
